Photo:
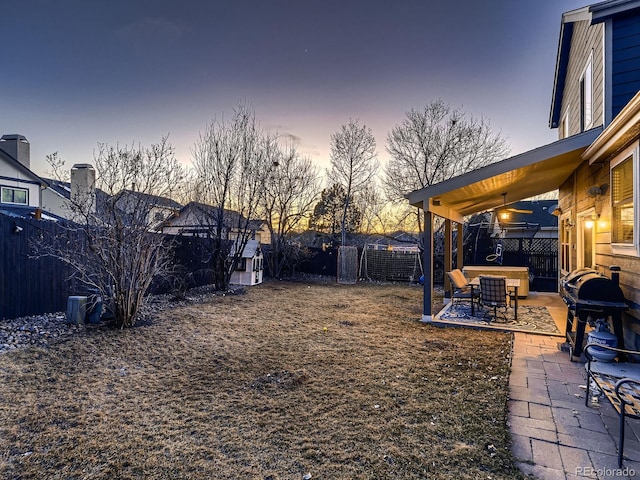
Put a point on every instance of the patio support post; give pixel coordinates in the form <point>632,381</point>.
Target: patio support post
<point>460,242</point>
<point>427,262</point>
<point>448,255</point>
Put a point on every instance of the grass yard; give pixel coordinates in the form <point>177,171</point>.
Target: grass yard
<point>342,382</point>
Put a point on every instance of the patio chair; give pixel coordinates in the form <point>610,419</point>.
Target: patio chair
<point>460,289</point>
<point>493,294</point>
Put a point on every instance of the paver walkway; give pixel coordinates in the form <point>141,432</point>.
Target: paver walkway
<point>555,436</point>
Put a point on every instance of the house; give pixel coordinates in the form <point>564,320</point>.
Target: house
<point>157,209</point>
<point>20,188</point>
<point>81,187</point>
<point>250,267</point>
<point>594,165</point>
<point>199,219</point>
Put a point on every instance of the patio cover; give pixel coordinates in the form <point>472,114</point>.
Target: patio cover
<point>522,176</point>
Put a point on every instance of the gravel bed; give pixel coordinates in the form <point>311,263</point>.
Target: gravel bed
<point>46,329</point>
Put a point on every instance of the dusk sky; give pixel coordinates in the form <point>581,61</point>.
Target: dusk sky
<point>79,72</point>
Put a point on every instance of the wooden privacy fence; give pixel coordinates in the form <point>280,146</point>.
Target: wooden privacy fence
<point>32,286</point>
<point>29,286</point>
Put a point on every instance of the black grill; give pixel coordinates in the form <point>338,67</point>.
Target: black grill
<point>590,296</point>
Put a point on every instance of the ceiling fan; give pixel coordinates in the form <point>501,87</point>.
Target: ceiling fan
<point>503,213</point>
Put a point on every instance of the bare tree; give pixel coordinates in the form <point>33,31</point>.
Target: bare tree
<point>354,163</point>
<point>232,162</point>
<point>110,244</point>
<point>437,143</point>
<point>290,191</point>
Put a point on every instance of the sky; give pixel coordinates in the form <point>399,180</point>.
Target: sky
<point>76,73</point>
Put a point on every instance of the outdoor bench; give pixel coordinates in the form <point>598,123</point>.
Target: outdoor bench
<point>619,382</point>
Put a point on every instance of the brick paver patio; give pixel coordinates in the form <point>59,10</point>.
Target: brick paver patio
<point>555,436</point>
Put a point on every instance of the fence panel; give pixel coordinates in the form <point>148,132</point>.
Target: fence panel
<point>29,286</point>
<point>32,286</point>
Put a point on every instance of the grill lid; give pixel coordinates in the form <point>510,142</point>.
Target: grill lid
<point>575,275</point>
<point>595,287</point>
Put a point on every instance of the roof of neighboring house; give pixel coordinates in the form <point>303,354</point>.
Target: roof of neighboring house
<point>209,212</point>
<point>27,171</point>
<point>540,213</point>
<point>27,212</point>
<point>595,13</point>
<point>157,200</point>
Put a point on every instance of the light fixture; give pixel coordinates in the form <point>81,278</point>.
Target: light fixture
<point>557,211</point>
<point>596,190</point>
<point>590,221</point>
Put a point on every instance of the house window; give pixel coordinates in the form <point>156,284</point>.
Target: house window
<point>18,196</point>
<point>586,97</point>
<point>622,202</point>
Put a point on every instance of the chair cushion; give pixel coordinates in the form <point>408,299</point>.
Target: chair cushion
<point>458,279</point>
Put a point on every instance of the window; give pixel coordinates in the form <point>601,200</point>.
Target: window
<point>622,202</point>
<point>586,98</point>
<point>19,196</point>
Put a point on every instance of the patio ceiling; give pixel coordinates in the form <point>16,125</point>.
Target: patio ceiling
<point>522,176</point>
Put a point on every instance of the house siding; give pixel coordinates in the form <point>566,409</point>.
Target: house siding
<point>586,42</point>
<point>573,197</point>
<point>11,176</point>
<point>625,64</point>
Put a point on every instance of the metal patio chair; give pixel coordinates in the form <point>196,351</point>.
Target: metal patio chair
<point>493,294</point>
<point>460,288</point>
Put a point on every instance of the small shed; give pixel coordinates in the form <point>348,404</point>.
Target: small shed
<point>250,265</point>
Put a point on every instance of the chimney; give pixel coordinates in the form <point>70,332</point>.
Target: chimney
<point>83,187</point>
<point>18,147</point>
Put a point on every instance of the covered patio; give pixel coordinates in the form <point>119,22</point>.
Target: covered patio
<point>516,178</point>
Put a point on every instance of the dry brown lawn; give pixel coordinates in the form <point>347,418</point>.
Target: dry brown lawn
<point>342,382</point>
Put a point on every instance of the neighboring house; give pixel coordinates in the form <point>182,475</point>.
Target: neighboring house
<point>56,198</point>
<point>595,165</point>
<point>250,265</point>
<point>159,209</point>
<point>199,219</point>
<point>20,188</point>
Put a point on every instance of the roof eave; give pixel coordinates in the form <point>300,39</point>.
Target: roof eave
<point>603,10</point>
<point>624,129</point>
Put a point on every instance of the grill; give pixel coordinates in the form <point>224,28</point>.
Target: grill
<point>591,296</point>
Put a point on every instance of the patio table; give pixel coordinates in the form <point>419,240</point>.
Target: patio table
<point>512,284</point>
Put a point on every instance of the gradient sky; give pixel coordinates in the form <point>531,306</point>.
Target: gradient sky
<point>79,72</point>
